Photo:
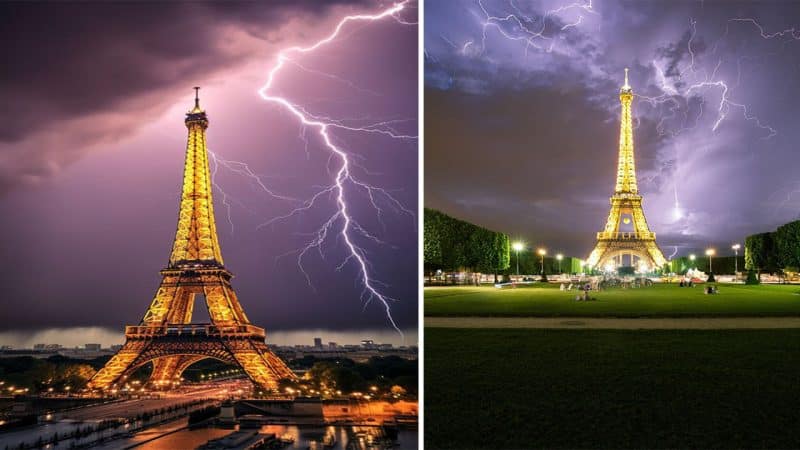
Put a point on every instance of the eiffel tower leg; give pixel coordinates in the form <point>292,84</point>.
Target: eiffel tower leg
<point>115,367</point>
<point>168,369</point>
<point>164,371</point>
<point>223,306</point>
<point>263,367</point>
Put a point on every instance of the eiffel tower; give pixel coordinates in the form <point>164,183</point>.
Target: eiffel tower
<point>626,235</point>
<point>165,336</point>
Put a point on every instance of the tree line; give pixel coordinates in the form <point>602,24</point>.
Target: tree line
<point>774,252</point>
<point>450,244</point>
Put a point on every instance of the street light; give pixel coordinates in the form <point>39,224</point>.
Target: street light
<point>559,257</point>
<point>691,258</point>
<point>710,252</point>
<point>736,248</point>
<point>542,252</point>
<point>517,247</point>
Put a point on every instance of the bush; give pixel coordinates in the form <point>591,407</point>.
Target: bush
<point>752,278</point>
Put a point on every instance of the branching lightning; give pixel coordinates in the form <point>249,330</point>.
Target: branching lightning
<point>341,223</point>
<point>520,27</point>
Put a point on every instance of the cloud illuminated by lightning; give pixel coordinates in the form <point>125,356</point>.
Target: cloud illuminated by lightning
<point>341,222</point>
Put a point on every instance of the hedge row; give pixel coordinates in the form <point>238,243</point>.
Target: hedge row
<point>454,245</point>
<point>775,251</point>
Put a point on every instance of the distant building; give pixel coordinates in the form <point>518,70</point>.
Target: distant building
<point>318,342</point>
<point>38,346</point>
<point>6,347</point>
<point>332,345</point>
<point>116,347</point>
<point>93,347</point>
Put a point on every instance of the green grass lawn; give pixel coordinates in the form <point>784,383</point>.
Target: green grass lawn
<point>660,300</point>
<point>497,389</point>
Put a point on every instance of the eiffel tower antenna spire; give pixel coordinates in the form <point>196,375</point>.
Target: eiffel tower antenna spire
<point>626,86</point>
<point>196,109</point>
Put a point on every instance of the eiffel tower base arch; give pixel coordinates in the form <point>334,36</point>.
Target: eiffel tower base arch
<point>173,348</point>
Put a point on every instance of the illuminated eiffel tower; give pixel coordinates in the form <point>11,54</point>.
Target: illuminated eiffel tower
<point>165,336</point>
<point>626,233</point>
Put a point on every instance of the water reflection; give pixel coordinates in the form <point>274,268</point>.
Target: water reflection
<point>299,437</point>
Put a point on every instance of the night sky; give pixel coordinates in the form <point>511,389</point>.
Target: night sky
<point>522,117</point>
<point>93,143</point>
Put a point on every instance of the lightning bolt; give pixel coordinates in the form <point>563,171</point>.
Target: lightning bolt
<point>516,27</point>
<point>674,252</point>
<point>341,222</point>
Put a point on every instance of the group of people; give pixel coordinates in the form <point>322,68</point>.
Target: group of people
<point>711,289</point>
<point>585,287</point>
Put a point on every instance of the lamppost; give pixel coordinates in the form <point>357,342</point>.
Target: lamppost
<point>559,257</point>
<point>542,252</point>
<point>710,253</point>
<point>691,258</point>
<point>517,247</point>
<point>736,248</point>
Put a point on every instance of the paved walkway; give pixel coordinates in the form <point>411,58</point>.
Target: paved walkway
<point>711,323</point>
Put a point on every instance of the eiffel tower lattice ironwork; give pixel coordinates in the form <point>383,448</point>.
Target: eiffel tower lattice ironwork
<point>615,241</point>
<point>165,336</point>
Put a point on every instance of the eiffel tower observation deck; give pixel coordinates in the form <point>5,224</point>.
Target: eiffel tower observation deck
<point>626,239</point>
<point>166,336</point>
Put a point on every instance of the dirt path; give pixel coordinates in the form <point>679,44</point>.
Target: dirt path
<point>710,323</point>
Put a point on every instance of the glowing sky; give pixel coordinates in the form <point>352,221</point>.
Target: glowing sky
<point>522,116</point>
<point>92,148</point>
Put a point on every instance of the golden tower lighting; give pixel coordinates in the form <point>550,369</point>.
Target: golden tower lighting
<point>626,206</point>
<point>166,336</point>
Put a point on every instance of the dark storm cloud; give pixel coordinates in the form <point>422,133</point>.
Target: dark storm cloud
<point>112,63</point>
<point>713,108</point>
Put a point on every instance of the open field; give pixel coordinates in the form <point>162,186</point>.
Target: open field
<point>660,300</point>
<point>518,388</point>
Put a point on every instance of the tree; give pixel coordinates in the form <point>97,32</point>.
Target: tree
<point>787,244</point>
<point>452,244</point>
<point>760,253</point>
<point>432,242</point>
<point>751,277</point>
